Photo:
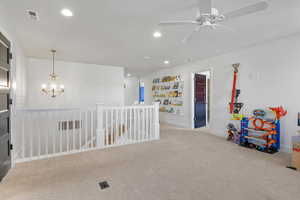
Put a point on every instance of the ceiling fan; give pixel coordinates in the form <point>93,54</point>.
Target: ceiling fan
<point>207,16</point>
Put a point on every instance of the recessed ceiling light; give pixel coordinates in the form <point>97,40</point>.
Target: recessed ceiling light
<point>66,12</point>
<point>128,75</point>
<point>157,34</point>
<point>167,62</point>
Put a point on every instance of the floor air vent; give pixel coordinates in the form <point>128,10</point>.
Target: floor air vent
<point>103,185</point>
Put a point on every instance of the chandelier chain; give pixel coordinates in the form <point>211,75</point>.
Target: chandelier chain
<point>53,60</point>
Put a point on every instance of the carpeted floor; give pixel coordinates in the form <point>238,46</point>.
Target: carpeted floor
<point>183,165</point>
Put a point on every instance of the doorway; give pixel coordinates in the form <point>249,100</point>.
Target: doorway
<point>201,97</point>
<point>5,138</point>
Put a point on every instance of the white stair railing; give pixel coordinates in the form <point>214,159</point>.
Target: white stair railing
<point>42,133</point>
<point>127,125</point>
<point>46,133</point>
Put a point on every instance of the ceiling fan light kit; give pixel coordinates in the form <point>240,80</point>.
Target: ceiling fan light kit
<point>210,17</point>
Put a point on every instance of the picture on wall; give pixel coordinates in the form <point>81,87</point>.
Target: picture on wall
<point>168,91</point>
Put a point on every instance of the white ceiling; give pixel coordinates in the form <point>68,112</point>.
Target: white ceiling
<point>119,32</point>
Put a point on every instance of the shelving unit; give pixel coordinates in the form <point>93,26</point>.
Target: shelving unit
<point>264,140</point>
<point>168,91</point>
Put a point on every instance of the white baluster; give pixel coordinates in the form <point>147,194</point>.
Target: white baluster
<point>47,131</point>
<point>135,124</point>
<point>39,117</point>
<point>139,124</point>
<point>106,127</point>
<point>80,131</point>
<point>23,135</point>
<point>54,131</point>
<point>147,124</point>
<point>135,118</point>
<point>92,128</point>
<point>100,126</point>
<point>58,119</point>
<point>130,125</point>
<point>142,124</point>
<point>111,126</point>
<point>86,129</point>
<point>156,120</point>
<point>151,125</point>
<point>126,126</point>
<point>73,129</point>
<point>31,134</point>
<point>117,126</point>
<point>68,131</point>
<point>121,134</point>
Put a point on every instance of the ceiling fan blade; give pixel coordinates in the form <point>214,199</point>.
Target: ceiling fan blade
<point>247,10</point>
<point>189,36</point>
<point>204,6</point>
<point>225,28</point>
<point>182,22</point>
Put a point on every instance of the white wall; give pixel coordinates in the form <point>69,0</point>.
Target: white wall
<point>19,80</point>
<point>269,76</point>
<point>131,90</point>
<point>85,84</point>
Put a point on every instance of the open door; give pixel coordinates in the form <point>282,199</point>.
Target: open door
<point>200,106</point>
<point>5,144</point>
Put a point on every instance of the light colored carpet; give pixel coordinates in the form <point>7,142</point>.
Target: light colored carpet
<point>182,165</point>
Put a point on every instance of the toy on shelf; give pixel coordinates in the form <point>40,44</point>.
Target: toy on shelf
<point>262,130</point>
<point>234,106</point>
<point>233,133</point>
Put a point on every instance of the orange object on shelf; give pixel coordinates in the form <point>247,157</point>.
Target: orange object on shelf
<point>262,125</point>
<point>271,142</point>
<point>279,112</point>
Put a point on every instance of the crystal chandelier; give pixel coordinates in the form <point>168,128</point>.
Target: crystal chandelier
<point>53,88</point>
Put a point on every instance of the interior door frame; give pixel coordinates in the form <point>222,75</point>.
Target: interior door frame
<point>192,109</point>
